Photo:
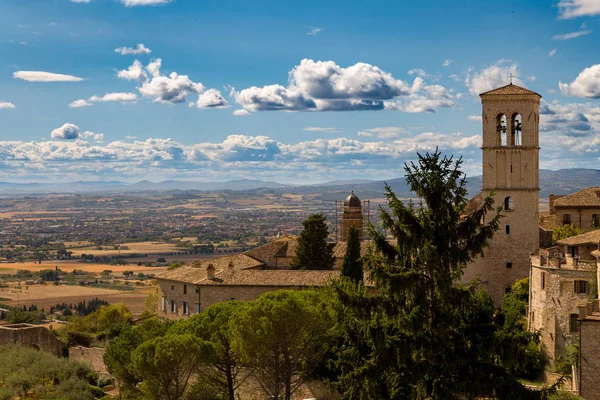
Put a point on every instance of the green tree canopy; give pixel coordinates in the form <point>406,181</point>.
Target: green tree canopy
<point>282,335</point>
<point>166,364</point>
<point>420,335</point>
<point>565,231</point>
<point>353,267</point>
<point>225,373</point>
<point>313,251</point>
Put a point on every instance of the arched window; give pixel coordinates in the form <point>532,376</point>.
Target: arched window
<point>516,137</point>
<point>508,203</point>
<point>501,130</point>
<point>508,229</point>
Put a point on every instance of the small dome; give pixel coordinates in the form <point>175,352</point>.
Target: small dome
<point>352,201</point>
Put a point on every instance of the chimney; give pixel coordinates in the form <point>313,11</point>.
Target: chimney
<point>551,200</point>
<point>210,272</point>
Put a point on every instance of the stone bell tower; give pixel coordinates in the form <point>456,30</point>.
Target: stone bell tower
<point>511,172</point>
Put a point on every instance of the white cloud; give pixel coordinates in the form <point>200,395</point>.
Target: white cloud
<point>108,97</point>
<point>80,1</point>
<point>571,35</point>
<point>325,86</point>
<point>419,72</point>
<point>578,8</point>
<point>211,98</point>
<point>320,129</point>
<point>135,72</point>
<point>587,84</point>
<point>139,49</point>
<point>494,76</point>
<point>552,52</point>
<point>476,118</point>
<point>96,137</point>
<point>41,76</point>
<point>314,31</point>
<point>447,63</point>
<point>532,77</point>
<point>5,105</point>
<point>80,103</point>
<point>134,3</point>
<point>388,132</point>
<point>66,132</point>
<point>241,113</point>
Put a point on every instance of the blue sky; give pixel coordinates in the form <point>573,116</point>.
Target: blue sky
<point>215,90</point>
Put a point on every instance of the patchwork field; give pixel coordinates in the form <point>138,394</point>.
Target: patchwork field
<point>44,296</point>
<point>70,265</point>
<point>130,248</point>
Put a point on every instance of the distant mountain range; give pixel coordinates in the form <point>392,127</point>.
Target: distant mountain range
<point>563,181</point>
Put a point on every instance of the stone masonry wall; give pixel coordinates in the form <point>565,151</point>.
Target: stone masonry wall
<point>37,337</point>
<point>580,218</point>
<point>589,349</point>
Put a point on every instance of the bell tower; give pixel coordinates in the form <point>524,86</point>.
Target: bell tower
<point>510,162</point>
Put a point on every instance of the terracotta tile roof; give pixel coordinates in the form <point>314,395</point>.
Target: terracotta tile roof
<point>509,90</point>
<point>473,204</point>
<point>596,253</point>
<point>339,251</point>
<point>584,238</point>
<point>547,220</point>
<point>240,261</point>
<point>270,249</point>
<point>239,277</point>
<point>589,197</point>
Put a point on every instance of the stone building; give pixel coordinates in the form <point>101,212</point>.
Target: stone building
<point>352,216</point>
<point>588,377</point>
<point>510,116</point>
<point>581,209</point>
<point>558,285</point>
<point>186,291</point>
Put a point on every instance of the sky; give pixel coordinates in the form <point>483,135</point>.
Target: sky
<point>294,92</point>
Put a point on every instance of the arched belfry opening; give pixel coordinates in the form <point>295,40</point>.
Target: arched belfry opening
<point>516,133</point>
<point>508,204</point>
<point>501,130</point>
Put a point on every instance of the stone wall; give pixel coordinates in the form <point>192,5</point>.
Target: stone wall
<point>551,307</point>
<point>580,217</point>
<point>589,349</point>
<point>94,356</point>
<point>34,336</point>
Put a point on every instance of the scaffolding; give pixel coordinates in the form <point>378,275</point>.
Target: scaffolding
<point>339,218</point>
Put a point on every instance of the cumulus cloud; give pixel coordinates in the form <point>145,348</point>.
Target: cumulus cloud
<point>66,132</point>
<point>326,86</point>
<point>587,84</point>
<point>80,103</point>
<point>41,76</point>
<point>312,31</point>
<point>572,119</point>
<point>137,50</point>
<point>172,88</point>
<point>572,35</point>
<point>5,105</point>
<point>447,63</point>
<point>475,118</point>
<point>241,113</point>
<point>552,52</point>
<point>494,76</point>
<point>388,132</point>
<point>578,8</point>
<point>96,137</point>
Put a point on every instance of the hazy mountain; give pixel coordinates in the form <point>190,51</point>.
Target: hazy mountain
<point>563,181</point>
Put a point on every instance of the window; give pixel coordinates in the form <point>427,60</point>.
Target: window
<point>185,308</point>
<point>172,287</point>
<point>573,323</point>
<point>173,306</point>
<point>508,202</point>
<point>581,287</point>
<point>507,289</point>
<point>184,289</point>
<point>516,138</point>
<point>532,316</point>
<point>566,219</point>
<point>197,290</point>
<point>501,130</point>
<point>508,265</point>
<point>164,304</point>
<point>543,280</point>
<point>508,229</point>
<point>596,220</point>
<point>197,308</point>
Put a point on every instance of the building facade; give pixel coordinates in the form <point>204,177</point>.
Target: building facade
<point>581,209</point>
<point>510,160</point>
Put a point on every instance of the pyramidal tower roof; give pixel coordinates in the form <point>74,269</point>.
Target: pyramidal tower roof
<point>510,89</point>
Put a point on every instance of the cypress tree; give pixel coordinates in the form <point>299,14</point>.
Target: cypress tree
<point>313,251</point>
<point>353,266</point>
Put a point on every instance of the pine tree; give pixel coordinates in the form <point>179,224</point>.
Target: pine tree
<point>313,251</point>
<point>353,266</point>
<point>419,335</point>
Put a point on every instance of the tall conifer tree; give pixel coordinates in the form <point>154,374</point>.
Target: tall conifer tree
<point>420,335</point>
<point>353,266</point>
<point>313,251</point>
